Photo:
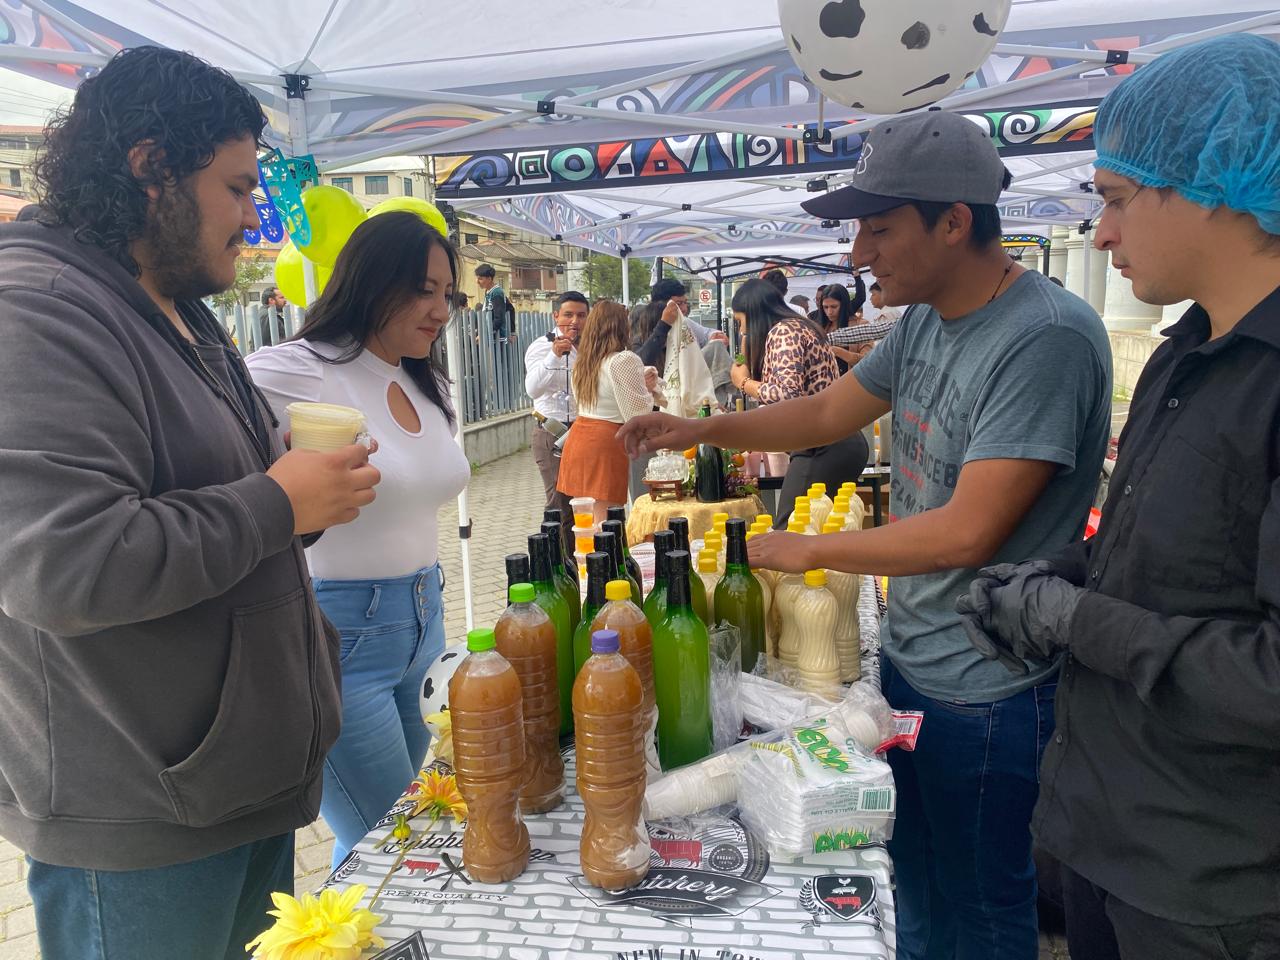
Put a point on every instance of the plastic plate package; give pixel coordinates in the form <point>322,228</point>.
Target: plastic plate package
<point>815,791</point>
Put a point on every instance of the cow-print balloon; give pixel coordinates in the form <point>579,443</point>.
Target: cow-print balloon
<point>890,57</point>
<point>435,686</point>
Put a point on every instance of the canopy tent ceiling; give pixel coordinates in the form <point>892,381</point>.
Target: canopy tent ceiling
<point>605,72</point>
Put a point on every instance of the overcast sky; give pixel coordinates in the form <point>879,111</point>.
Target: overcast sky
<point>27,102</point>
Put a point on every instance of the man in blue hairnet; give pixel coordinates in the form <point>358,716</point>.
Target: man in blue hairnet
<point>1160,789</point>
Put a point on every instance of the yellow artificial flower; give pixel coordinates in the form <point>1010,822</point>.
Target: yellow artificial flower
<point>442,726</point>
<point>437,795</point>
<point>325,928</point>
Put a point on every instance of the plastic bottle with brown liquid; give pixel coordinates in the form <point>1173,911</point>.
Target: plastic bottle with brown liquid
<point>489,760</point>
<point>608,704</point>
<point>635,637</point>
<point>527,639</point>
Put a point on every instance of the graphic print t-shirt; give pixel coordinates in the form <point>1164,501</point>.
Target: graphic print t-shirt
<point>1026,377</point>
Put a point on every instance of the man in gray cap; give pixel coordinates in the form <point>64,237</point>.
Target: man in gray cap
<point>1000,384</point>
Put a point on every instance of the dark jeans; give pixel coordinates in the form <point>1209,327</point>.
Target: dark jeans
<point>1102,927</point>
<point>833,465</point>
<point>204,910</point>
<point>961,845</point>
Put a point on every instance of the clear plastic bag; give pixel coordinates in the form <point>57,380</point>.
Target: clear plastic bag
<point>726,678</point>
<point>865,715</point>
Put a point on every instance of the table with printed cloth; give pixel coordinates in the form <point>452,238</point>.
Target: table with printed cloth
<point>712,892</point>
<point>649,516</point>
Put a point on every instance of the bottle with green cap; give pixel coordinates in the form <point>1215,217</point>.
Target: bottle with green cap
<point>655,605</point>
<point>620,613</point>
<point>697,592</point>
<point>634,573</point>
<point>526,637</point>
<point>566,582</point>
<point>600,570</point>
<point>549,598</point>
<point>619,548</point>
<point>487,716</point>
<point>738,597</point>
<point>682,673</point>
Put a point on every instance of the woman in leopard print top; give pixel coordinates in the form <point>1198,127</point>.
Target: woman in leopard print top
<point>788,357</point>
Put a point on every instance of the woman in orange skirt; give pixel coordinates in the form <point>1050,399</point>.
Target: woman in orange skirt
<point>610,387</point>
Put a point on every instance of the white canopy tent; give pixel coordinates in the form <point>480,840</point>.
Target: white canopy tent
<point>546,101</point>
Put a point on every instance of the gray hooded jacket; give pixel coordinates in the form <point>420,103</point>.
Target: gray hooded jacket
<point>168,686</point>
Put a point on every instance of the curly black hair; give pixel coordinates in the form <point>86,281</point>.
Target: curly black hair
<point>176,101</point>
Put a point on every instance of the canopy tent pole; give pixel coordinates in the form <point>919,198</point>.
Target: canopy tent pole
<point>733,334</point>
<point>662,262</point>
<point>1044,251</point>
<point>296,91</point>
<point>453,347</point>
<point>626,276</point>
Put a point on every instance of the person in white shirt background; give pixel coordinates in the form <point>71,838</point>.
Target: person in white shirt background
<point>880,312</point>
<point>548,380</point>
<point>367,344</point>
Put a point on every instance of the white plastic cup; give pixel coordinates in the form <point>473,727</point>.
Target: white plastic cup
<point>323,426</point>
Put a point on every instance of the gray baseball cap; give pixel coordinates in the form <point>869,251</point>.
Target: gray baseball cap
<point>934,155</point>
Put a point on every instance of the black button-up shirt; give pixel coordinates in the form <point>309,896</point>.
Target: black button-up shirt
<point>1162,781</point>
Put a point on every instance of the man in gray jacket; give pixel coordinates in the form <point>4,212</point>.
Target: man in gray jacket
<point>168,687</point>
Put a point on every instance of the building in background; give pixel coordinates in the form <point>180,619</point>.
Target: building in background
<point>373,181</point>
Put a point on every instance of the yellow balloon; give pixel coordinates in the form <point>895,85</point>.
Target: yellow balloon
<point>290,279</point>
<point>427,211</point>
<point>334,215</point>
<point>289,274</point>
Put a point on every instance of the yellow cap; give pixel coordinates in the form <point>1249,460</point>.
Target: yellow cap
<point>719,517</point>
<point>832,526</point>
<point>765,518</point>
<point>842,497</point>
<point>617,590</point>
<point>713,539</point>
<point>752,533</point>
<point>795,526</point>
<point>815,578</point>
<point>706,564</point>
<point>704,552</point>
<point>820,487</point>
<point>801,502</point>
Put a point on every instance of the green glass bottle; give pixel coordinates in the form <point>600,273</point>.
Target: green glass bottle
<point>553,515</point>
<point>655,605</point>
<point>568,584</point>
<point>681,673</point>
<point>547,596</point>
<point>633,568</point>
<point>517,569</point>
<point>619,548</point>
<point>600,570</point>
<point>697,591</point>
<point>738,597</point>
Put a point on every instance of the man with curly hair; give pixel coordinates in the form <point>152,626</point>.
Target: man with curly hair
<point>169,685</point>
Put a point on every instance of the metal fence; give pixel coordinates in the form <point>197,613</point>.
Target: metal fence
<point>491,371</point>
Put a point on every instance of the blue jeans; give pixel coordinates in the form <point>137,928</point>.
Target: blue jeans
<point>392,631</point>
<point>961,845</point>
<point>204,910</point>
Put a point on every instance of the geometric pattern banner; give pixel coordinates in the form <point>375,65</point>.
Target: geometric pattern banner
<point>1051,128</point>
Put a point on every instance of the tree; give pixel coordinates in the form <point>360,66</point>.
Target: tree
<point>249,271</point>
<point>603,275</point>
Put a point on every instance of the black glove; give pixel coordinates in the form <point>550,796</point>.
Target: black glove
<point>1015,612</point>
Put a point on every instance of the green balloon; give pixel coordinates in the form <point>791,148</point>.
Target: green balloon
<point>334,215</point>
<point>427,211</point>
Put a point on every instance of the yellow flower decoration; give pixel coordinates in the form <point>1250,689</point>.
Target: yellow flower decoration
<point>325,928</point>
<point>442,725</point>
<point>437,795</point>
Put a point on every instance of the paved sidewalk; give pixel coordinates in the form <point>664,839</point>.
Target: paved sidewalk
<point>506,496</point>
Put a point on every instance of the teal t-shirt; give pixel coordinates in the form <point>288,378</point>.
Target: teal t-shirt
<point>1026,377</point>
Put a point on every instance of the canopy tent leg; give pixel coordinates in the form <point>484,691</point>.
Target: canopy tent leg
<point>626,278</point>
<point>453,347</point>
<point>298,146</point>
<point>733,337</point>
<point>1044,257</point>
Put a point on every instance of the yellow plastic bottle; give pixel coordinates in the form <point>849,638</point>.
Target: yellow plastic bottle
<point>813,612</point>
<point>848,637</point>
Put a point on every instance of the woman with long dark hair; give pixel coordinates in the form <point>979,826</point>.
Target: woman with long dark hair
<point>610,387</point>
<point>788,356</point>
<point>367,344</point>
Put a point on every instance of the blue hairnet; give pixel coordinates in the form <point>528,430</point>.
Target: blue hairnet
<point>1204,120</point>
